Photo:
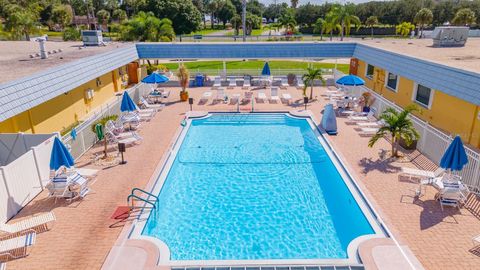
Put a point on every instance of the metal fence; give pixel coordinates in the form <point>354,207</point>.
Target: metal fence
<point>433,142</point>
<point>86,138</point>
<point>255,72</point>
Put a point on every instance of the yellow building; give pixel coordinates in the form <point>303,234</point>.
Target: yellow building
<point>445,112</point>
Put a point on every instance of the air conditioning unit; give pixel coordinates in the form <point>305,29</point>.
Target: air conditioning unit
<point>92,37</point>
<point>89,93</point>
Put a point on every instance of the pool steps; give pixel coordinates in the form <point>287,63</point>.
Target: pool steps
<point>133,196</point>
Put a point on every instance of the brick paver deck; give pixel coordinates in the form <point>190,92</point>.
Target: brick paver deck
<point>84,231</point>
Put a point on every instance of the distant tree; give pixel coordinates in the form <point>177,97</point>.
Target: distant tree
<point>132,7</point>
<point>308,14</point>
<point>213,7</point>
<point>330,25</point>
<point>371,21</point>
<point>185,16</point>
<point>199,4</point>
<point>287,20</point>
<point>255,8</point>
<point>119,15</point>
<point>22,20</point>
<point>464,16</point>
<point>62,15</point>
<point>443,12</point>
<point>344,15</point>
<point>274,11</point>
<point>404,29</point>
<point>294,3</point>
<point>226,12</point>
<point>103,16</point>
<point>147,27</point>
<point>422,18</point>
<point>319,27</point>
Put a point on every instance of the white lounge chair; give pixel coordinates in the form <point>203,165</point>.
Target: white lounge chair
<point>366,131</point>
<point>231,83</point>
<point>417,173</point>
<point>206,96</point>
<point>300,84</point>
<point>235,98</point>
<point>368,117</point>
<point>246,84</point>
<point>286,97</point>
<point>451,197</point>
<point>220,95</point>
<point>376,124</point>
<point>476,240</point>
<point>261,96</point>
<point>217,83</point>
<point>32,223</point>
<point>17,247</point>
<point>132,119</point>
<point>68,186</point>
<point>156,107</point>
<point>274,94</point>
<point>85,172</point>
<point>284,84</point>
<point>127,138</point>
<point>239,81</point>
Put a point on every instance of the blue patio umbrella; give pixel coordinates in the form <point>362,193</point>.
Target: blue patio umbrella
<point>127,104</point>
<point>155,78</point>
<point>60,156</point>
<point>455,157</point>
<point>350,80</point>
<point>266,70</point>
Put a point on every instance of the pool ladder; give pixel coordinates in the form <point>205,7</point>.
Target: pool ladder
<point>132,197</point>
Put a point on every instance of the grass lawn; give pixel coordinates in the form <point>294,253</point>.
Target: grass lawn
<point>205,32</point>
<point>201,66</point>
<point>255,32</point>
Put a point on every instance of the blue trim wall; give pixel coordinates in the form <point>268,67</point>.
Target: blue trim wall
<point>452,81</point>
<point>248,50</point>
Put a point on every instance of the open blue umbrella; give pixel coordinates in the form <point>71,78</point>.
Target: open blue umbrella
<point>266,70</point>
<point>127,104</point>
<point>350,80</point>
<point>60,156</point>
<point>455,157</point>
<point>155,78</point>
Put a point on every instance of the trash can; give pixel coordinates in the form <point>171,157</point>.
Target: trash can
<point>199,80</point>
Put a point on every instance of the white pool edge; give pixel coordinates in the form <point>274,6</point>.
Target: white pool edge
<point>352,250</point>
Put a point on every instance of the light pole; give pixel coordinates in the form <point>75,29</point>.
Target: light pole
<point>244,19</point>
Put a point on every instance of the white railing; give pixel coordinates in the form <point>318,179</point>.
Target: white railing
<point>86,138</point>
<point>433,142</point>
<point>255,72</point>
<point>24,177</point>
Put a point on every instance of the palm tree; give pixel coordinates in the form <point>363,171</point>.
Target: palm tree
<point>464,16</point>
<point>309,79</point>
<point>422,18</point>
<point>371,21</point>
<point>399,126</point>
<point>344,15</point>
<point>318,27</point>
<point>294,3</point>
<point>287,20</point>
<point>330,25</point>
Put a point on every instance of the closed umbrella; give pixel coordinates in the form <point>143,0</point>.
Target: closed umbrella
<point>127,104</point>
<point>60,156</point>
<point>266,70</point>
<point>455,156</point>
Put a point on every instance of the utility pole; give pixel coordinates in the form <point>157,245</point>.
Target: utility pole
<point>244,19</point>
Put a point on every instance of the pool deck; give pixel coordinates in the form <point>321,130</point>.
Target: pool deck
<point>84,231</point>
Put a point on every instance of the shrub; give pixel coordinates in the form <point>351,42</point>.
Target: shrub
<point>71,34</point>
<point>104,120</point>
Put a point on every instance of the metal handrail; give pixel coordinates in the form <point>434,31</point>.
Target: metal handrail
<point>139,198</point>
<point>143,191</point>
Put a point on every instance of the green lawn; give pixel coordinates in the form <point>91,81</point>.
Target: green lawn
<point>201,66</point>
<point>206,32</point>
<point>255,32</point>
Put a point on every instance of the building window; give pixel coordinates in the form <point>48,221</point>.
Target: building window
<point>423,95</point>
<point>392,81</point>
<point>370,70</point>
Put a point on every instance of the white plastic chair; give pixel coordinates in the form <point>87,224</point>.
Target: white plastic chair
<point>274,94</point>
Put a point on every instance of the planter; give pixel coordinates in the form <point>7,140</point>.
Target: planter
<point>183,95</point>
<point>366,109</point>
<point>403,144</point>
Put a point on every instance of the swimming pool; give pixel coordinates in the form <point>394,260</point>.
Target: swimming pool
<point>256,187</point>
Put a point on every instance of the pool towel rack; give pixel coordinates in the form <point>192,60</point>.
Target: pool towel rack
<point>150,199</point>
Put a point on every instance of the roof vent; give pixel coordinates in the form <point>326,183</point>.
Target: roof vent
<point>41,42</point>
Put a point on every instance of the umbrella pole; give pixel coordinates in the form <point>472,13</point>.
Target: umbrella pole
<point>105,147</point>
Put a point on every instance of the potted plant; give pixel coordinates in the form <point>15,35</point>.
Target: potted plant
<point>183,78</point>
<point>291,78</point>
<point>366,100</point>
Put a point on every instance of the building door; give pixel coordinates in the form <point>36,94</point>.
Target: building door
<point>379,80</point>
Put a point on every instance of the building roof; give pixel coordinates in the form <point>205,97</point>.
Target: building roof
<point>466,58</point>
<point>27,92</point>
<point>15,61</point>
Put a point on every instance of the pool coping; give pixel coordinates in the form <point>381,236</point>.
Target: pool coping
<point>158,179</point>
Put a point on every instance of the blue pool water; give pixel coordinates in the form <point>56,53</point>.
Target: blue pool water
<point>255,186</point>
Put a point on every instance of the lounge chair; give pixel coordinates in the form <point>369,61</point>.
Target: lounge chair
<point>246,84</point>
<point>286,97</point>
<point>366,118</point>
<point>300,84</point>
<point>367,131</point>
<point>274,94</point>
<point>417,173</point>
<point>247,97</point>
<point>476,240</point>
<point>156,107</point>
<point>17,247</point>
<point>284,83</point>
<point>451,197</point>
<point>231,83</point>
<point>239,81</point>
<point>84,172</point>
<point>206,96</point>
<point>68,186</point>
<point>41,221</point>
<point>217,83</point>
<point>220,95</point>
<point>127,138</point>
<point>132,119</point>
<point>376,124</point>
<point>111,126</point>
<point>261,96</point>
<point>235,98</point>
